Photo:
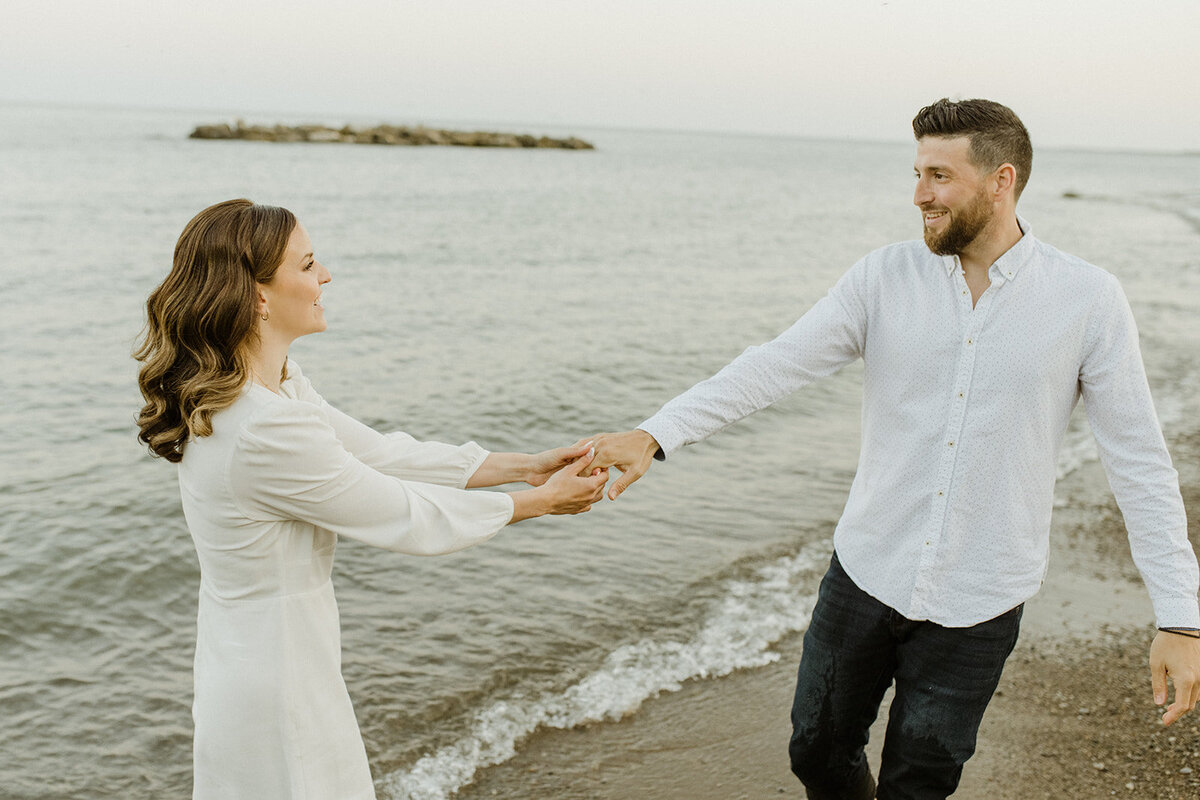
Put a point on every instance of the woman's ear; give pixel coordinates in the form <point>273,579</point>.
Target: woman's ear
<point>261,302</point>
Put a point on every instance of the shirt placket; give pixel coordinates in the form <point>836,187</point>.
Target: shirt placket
<point>925,585</point>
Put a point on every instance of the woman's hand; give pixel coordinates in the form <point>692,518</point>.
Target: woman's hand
<point>544,464</point>
<point>572,493</point>
<point>563,492</point>
<point>536,469</point>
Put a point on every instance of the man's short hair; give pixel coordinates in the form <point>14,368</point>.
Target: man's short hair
<point>996,134</point>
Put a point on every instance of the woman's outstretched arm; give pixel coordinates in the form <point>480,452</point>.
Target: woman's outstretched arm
<point>535,469</point>
<point>290,464</point>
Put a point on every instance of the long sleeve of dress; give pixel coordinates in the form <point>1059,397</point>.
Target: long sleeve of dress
<point>1120,411</point>
<point>290,463</point>
<point>397,454</point>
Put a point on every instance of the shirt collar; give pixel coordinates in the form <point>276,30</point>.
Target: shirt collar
<point>1008,265</point>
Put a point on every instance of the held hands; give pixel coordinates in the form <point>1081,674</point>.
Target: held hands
<point>630,452</point>
<point>1178,658</point>
<point>572,488</point>
<point>569,480</point>
<point>544,464</point>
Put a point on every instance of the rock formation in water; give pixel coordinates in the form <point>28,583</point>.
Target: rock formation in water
<point>382,134</point>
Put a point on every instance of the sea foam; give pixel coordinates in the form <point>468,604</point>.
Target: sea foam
<point>751,615</point>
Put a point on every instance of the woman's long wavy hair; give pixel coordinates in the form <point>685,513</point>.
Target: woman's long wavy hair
<point>201,320</point>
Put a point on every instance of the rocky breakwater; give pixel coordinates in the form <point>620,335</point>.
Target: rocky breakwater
<point>383,134</point>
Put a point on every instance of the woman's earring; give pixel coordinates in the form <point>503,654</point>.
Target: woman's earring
<point>266,315</point>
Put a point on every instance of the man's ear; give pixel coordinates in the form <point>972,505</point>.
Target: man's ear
<point>1005,179</point>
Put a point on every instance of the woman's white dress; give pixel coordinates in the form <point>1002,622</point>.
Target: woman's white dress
<point>265,497</point>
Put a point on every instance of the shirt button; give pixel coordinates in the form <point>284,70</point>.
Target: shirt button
<point>941,494</point>
<point>951,444</point>
<point>970,341</point>
<point>960,394</point>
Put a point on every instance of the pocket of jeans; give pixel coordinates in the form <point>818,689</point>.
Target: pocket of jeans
<point>1003,627</point>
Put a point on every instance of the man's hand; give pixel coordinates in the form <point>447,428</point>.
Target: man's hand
<point>1178,658</point>
<point>630,452</point>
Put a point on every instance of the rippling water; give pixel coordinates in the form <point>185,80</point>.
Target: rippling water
<point>519,298</point>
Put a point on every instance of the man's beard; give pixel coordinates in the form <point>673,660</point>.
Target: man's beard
<point>964,226</point>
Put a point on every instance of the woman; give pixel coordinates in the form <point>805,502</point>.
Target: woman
<point>270,476</point>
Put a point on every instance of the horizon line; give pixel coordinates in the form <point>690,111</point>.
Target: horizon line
<point>716,132</point>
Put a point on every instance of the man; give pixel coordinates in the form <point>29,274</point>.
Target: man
<point>977,343</point>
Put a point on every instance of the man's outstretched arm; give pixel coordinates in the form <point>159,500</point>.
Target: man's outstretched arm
<point>830,335</point>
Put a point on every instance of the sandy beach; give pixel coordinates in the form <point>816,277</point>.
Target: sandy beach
<point>1072,718</point>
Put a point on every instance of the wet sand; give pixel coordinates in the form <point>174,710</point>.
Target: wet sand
<point>1073,716</point>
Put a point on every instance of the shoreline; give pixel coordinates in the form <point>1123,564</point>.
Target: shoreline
<point>1072,717</point>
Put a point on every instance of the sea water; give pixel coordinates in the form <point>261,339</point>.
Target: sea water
<point>520,298</point>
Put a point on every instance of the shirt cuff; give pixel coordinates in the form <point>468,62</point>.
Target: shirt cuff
<point>669,437</point>
<point>1177,612</point>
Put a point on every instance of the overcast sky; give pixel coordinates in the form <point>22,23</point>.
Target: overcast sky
<point>1086,73</point>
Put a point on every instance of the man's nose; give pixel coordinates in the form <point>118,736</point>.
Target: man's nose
<point>922,194</point>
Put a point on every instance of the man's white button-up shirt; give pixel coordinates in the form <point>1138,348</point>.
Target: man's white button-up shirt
<point>964,410</point>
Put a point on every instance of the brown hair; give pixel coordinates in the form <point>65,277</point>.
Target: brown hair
<point>200,320</point>
<point>997,135</point>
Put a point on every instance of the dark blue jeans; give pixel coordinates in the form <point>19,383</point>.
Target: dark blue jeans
<point>855,647</point>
